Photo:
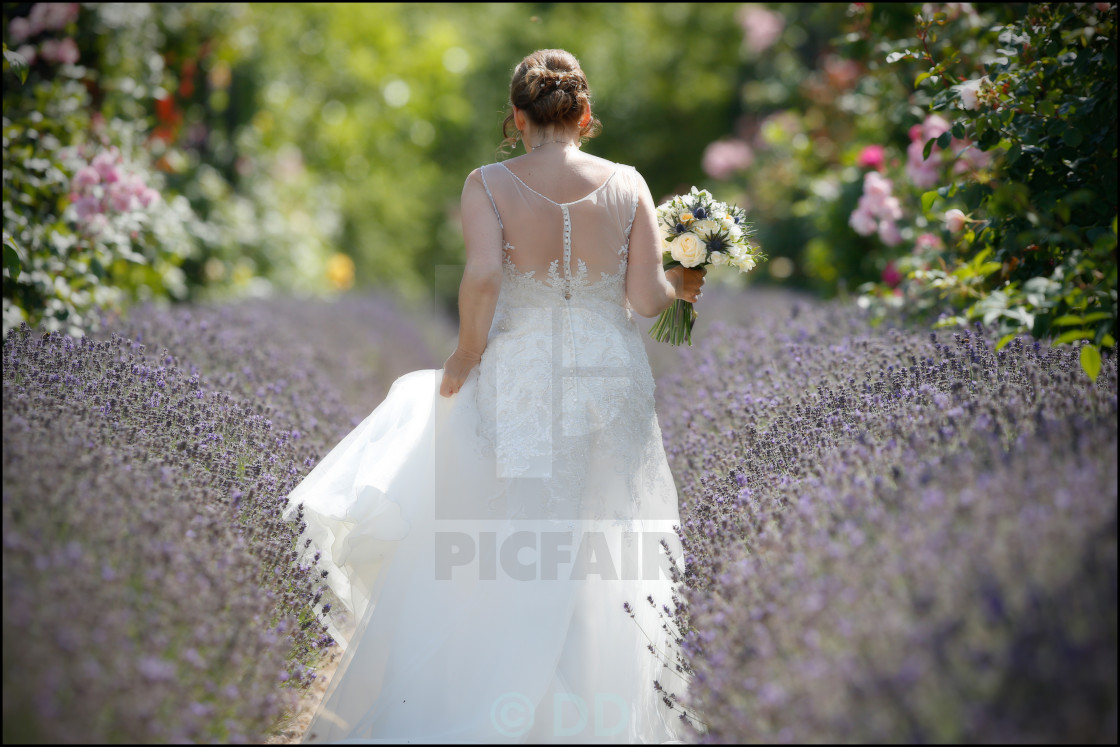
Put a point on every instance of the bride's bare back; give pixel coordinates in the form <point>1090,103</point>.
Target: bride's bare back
<point>563,216</point>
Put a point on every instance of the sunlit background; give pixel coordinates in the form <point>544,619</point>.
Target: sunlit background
<point>311,148</point>
<point>894,440</point>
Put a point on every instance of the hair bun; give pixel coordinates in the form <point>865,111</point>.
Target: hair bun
<point>536,78</point>
<point>545,82</point>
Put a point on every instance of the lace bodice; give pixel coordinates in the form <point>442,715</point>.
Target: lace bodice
<point>564,386</point>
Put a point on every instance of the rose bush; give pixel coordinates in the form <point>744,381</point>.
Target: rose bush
<point>128,178</point>
<point>950,162</point>
<point>1020,166</point>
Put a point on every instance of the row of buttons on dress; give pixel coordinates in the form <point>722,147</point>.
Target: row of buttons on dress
<point>567,252</point>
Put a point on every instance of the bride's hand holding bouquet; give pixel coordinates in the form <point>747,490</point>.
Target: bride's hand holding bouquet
<point>697,231</point>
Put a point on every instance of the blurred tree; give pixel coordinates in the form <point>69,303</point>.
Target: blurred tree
<point>396,103</point>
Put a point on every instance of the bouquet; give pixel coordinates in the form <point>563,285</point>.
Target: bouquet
<point>697,231</point>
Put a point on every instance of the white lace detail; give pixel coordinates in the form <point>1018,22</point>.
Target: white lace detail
<point>565,391</point>
<point>609,287</point>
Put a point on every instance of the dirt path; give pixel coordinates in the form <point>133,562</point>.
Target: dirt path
<point>292,732</point>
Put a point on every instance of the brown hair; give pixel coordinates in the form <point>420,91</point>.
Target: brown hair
<point>550,87</point>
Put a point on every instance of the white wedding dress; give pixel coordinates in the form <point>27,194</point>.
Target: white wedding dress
<point>486,542</point>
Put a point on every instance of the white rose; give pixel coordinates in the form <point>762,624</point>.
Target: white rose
<point>720,259</point>
<point>688,249</point>
<point>727,222</point>
<point>968,93</point>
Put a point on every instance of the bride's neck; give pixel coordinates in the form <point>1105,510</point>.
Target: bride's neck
<point>551,139</point>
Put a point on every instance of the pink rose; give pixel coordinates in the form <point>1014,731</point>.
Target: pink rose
<point>862,222</point>
<point>761,27</point>
<point>955,220</point>
<point>876,185</point>
<point>64,51</point>
<point>19,29</point>
<point>106,165</point>
<point>52,16</point>
<point>87,207</point>
<point>87,176</point>
<point>892,209</point>
<point>149,197</point>
<point>888,233</point>
<point>891,275</point>
<point>724,157</point>
<point>122,197</point>
<point>871,157</point>
<point>96,224</point>
<point>928,242</point>
<point>922,173</point>
<point>869,204</point>
<point>934,126</point>
<point>136,184</point>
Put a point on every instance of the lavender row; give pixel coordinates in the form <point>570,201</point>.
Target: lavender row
<point>151,589</point>
<point>890,535</point>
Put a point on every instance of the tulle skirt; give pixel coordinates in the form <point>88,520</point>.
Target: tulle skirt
<point>473,626</point>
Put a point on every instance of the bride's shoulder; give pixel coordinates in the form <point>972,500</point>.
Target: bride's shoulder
<point>479,174</point>
<point>629,174</point>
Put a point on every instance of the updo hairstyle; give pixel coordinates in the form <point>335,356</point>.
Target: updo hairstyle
<point>550,87</point>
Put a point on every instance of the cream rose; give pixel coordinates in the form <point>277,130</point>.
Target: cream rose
<point>704,227</point>
<point>720,259</point>
<point>688,249</point>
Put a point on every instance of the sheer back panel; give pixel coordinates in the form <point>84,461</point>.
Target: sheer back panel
<point>535,219</point>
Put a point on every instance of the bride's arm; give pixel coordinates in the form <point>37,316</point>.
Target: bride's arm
<point>650,288</point>
<point>482,279</point>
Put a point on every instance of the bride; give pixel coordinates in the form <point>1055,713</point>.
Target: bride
<point>487,523</point>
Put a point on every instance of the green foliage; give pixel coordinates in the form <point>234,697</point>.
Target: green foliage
<point>318,145</point>
<point>145,89</point>
<point>396,104</point>
<point>808,104</point>
<point>1037,93</point>
<point>55,267</point>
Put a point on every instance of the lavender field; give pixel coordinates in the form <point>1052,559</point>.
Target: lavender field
<point>890,534</point>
